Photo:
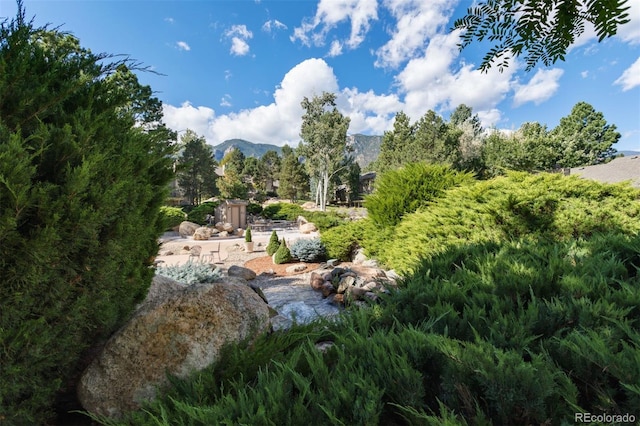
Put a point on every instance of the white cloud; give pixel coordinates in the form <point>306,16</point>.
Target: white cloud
<point>428,82</point>
<point>225,101</point>
<point>169,20</point>
<point>239,34</point>
<point>239,47</point>
<point>330,13</point>
<point>186,116</point>
<point>227,75</point>
<point>181,45</point>
<point>540,88</point>
<point>279,122</point>
<point>417,22</point>
<point>240,31</point>
<point>336,49</point>
<point>272,25</point>
<point>584,74</point>
<point>630,78</point>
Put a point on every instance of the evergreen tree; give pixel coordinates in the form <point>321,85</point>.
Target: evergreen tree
<point>231,185</point>
<point>270,164</point>
<point>85,163</point>
<point>196,171</point>
<point>294,181</point>
<point>584,137</point>
<point>395,144</point>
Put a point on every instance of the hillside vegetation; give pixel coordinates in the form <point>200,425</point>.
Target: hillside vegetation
<point>519,306</point>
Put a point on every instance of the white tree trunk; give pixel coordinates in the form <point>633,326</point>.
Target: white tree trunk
<point>318,192</point>
<point>325,190</point>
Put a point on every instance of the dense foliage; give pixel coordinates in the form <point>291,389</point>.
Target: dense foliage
<point>343,241</point>
<point>85,164</point>
<point>283,211</point>
<point>546,206</point>
<point>309,250</point>
<point>196,168</point>
<point>199,213</point>
<point>406,189</point>
<point>172,216</point>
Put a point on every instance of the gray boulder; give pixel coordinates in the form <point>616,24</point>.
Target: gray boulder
<point>177,330</point>
<point>187,228</point>
<point>241,272</point>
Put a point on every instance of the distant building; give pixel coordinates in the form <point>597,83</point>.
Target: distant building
<point>619,169</point>
<point>366,183</point>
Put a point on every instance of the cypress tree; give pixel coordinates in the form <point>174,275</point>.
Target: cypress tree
<point>84,166</point>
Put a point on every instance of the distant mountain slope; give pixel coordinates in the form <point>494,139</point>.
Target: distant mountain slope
<point>249,149</point>
<point>629,153</point>
<point>365,148</point>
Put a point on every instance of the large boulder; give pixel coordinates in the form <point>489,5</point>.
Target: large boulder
<point>307,228</point>
<point>241,272</point>
<point>187,228</point>
<point>176,330</point>
<point>202,233</point>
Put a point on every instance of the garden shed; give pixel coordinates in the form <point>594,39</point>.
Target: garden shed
<point>233,212</point>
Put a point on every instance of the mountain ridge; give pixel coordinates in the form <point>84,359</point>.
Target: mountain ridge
<point>366,148</point>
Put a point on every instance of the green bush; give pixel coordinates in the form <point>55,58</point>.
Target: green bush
<point>85,165</point>
<point>309,250</point>
<point>247,235</point>
<point>191,273</point>
<point>548,206</point>
<point>324,220</point>
<point>274,244</point>
<point>342,241</point>
<point>172,216</point>
<point>254,208</point>
<point>199,213</point>
<point>283,211</point>
<point>282,255</point>
<point>405,190</point>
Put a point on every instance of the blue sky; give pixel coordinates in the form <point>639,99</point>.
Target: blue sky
<point>239,69</point>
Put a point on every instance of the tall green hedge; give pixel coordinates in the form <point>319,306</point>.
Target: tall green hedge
<point>84,167</point>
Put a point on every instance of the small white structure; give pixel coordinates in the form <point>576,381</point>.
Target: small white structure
<point>233,212</point>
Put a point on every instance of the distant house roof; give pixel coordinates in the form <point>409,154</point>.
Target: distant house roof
<point>617,170</point>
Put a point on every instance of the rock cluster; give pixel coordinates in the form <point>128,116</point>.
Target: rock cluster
<point>202,233</point>
<point>352,284</point>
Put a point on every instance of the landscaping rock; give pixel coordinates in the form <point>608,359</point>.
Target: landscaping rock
<point>228,227</point>
<point>345,283</point>
<point>202,233</point>
<point>327,289</point>
<point>241,272</point>
<point>299,267</point>
<point>307,228</point>
<point>316,281</point>
<point>176,331</point>
<point>187,228</point>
